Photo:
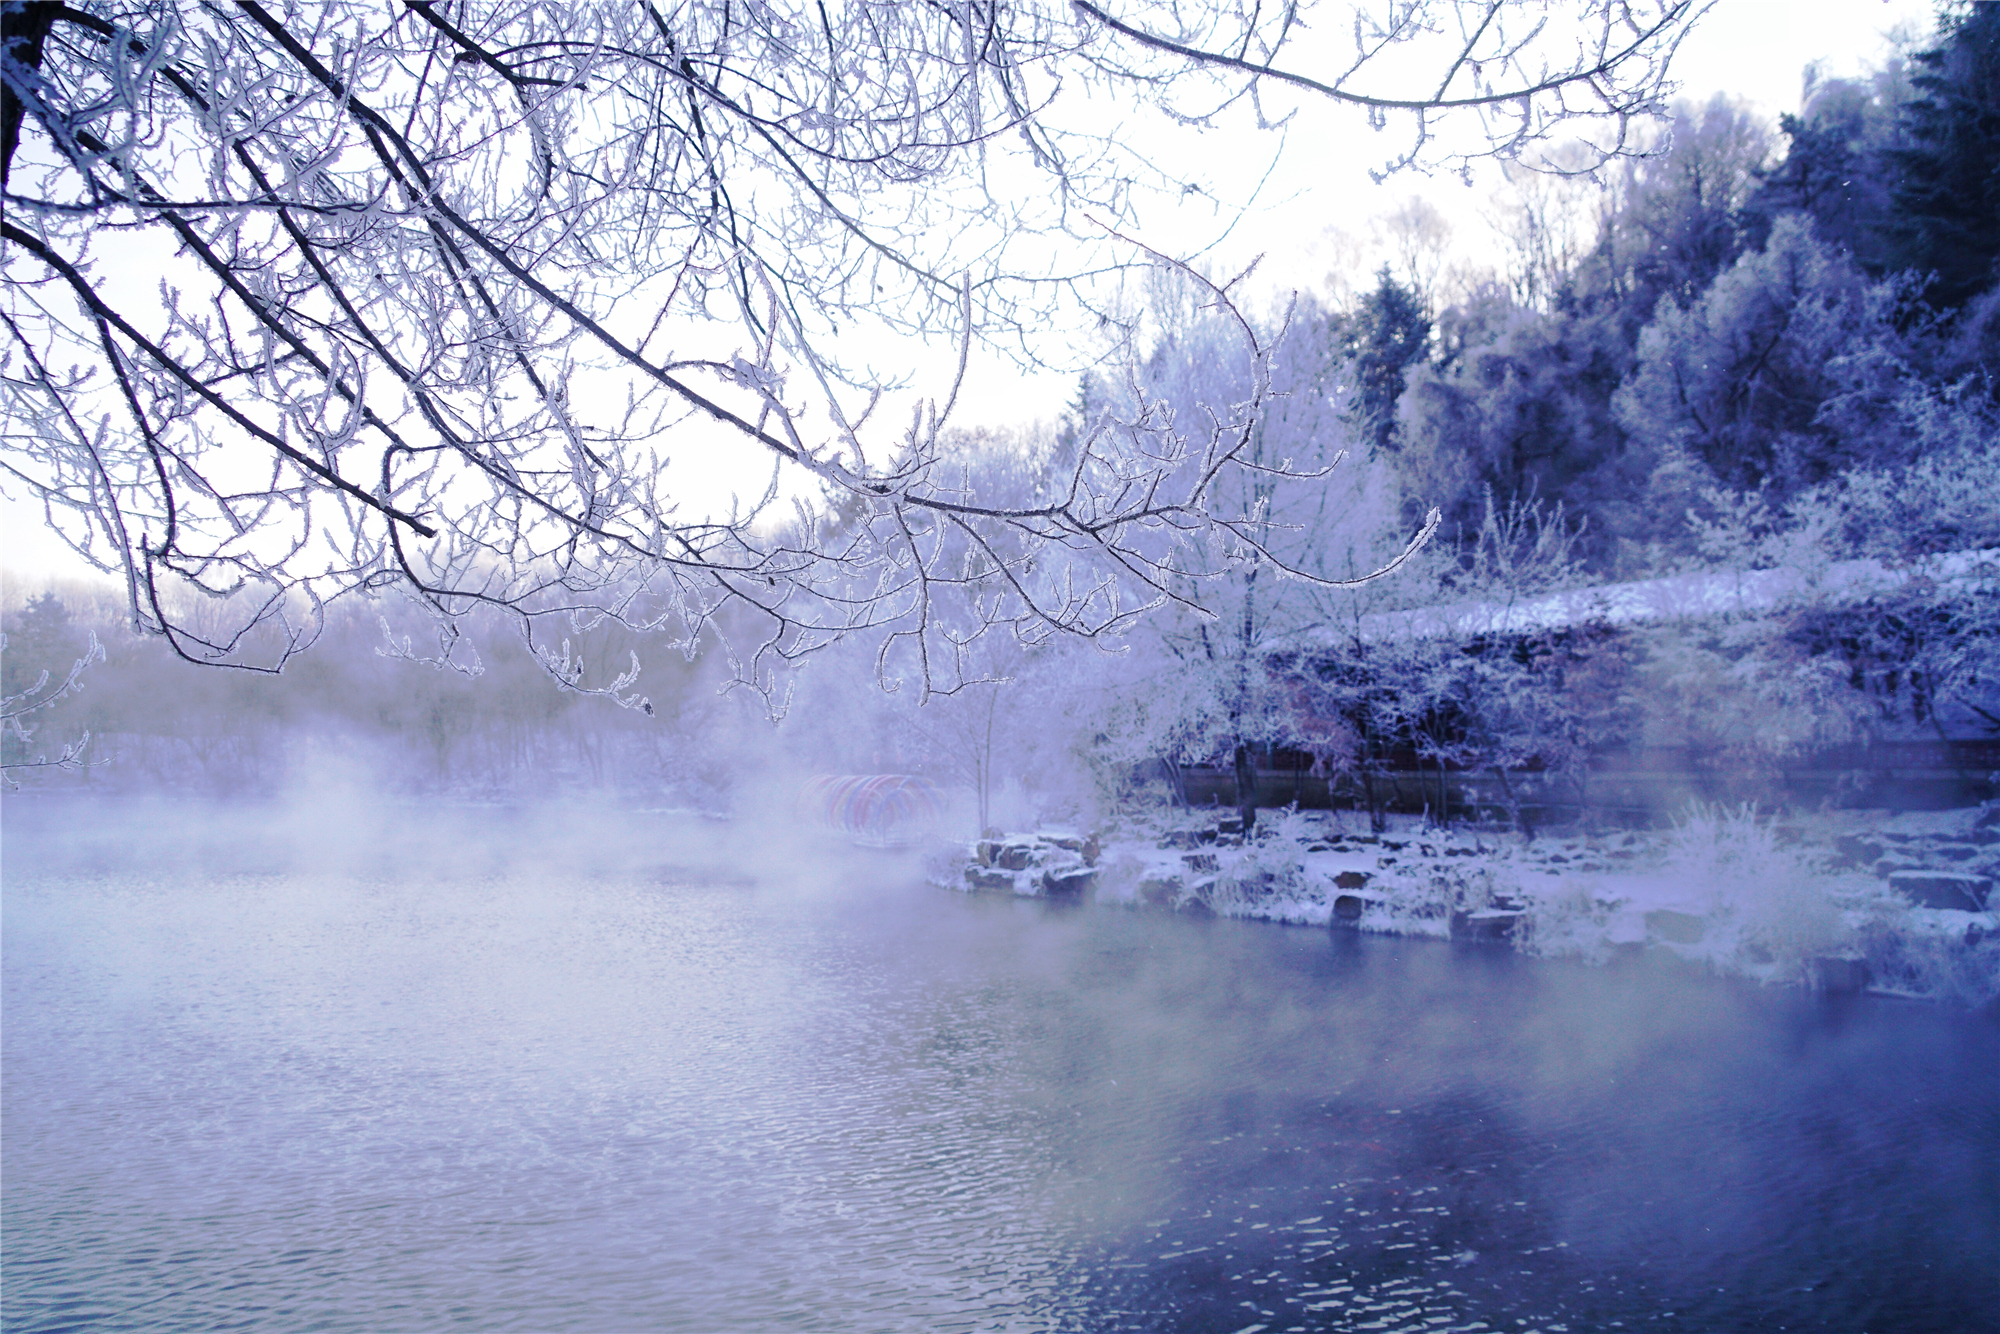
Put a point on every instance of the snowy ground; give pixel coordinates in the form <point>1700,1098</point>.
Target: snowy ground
<point>1844,900</point>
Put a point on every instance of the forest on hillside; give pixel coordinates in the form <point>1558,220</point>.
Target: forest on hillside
<point>1760,348</point>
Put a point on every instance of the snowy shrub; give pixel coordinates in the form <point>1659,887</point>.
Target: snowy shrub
<point>1745,693</point>
<point>1291,827</point>
<point>1907,953</point>
<point>1265,880</point>
<point>1118,878</point>
<point>1417,904</point>
<point>1568,923</point>
<point>1770,902</point>
<point>1915,660</point>
<point>1789,918</point>
<point>1716,844</point>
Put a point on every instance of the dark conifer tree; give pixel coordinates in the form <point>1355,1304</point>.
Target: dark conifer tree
<point>1382,340</point>
<point>40,638</point>
<point>1946,191</point>
<point>1831,175</point>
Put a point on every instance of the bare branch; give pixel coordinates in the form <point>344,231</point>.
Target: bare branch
<point>487,304</point>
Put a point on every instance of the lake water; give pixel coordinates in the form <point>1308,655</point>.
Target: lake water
<point>333,1070</point>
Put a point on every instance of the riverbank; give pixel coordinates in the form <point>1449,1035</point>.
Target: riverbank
<point>1897,904</point>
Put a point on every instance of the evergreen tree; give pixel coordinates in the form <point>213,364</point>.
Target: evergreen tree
<point>1829,175</point>
<point>1836,168</point>
<point>1946,193</point>
<point>1382,341</point>
<point>40,639</point>
<point>1080,416</point>
<point>46,651</point>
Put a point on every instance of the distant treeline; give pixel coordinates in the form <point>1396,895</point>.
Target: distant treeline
<point>351,709</point>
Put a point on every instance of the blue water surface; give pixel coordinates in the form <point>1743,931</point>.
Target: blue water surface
<point>504,1070</point>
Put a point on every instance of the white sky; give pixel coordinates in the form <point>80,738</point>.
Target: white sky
<point>1755,49</point>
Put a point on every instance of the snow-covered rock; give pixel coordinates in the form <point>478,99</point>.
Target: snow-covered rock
<point>1044,864</point>
<point>1817,901</point>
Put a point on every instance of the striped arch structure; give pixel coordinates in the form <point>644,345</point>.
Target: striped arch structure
<point>874,810</point>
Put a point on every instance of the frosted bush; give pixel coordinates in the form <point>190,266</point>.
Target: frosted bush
<point>1422,905</point>
<point>1290,825</point>
<point>1720,845</point>
<point>1118,878</point>
<point>1903,956</point>
<point>1264,881</point>
<point>1790,919</point>
<point>1769,901</point>
<point>1568,923</point>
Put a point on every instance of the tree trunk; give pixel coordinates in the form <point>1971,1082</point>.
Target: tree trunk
<point>24,27</point>
<point>1378,819</point>
<point>1515,810</point>
<point>1246,787</point>
<point>1246,772</point>
<point>984,765</point>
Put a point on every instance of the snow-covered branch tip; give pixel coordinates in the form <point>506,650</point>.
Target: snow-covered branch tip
<point>36,698</point>
<point>480,338</point>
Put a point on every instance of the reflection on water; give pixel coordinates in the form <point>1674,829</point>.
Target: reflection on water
<point>244,1089</point>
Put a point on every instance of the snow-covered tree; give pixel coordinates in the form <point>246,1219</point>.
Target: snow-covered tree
<point>1748,385</point>
<point>1308,536</point>
<point>1425,670</point>
<point>1834,169</point>
<point>356,295</point>
<point>1521,411</point>
<point>1672,220</point>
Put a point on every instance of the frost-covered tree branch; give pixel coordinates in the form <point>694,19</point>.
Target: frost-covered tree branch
<point>477,300</point>
<point>43,694</point>
<point>1522,70</point>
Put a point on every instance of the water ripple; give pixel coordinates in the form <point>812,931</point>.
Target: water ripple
<point>616,1101</point>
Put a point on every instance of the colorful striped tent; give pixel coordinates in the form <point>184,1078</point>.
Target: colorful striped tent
<point>875,810</point>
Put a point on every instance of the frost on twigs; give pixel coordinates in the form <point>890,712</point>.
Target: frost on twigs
<point>472,302</point>
<point>1444,84</point>
<point>44,693</point>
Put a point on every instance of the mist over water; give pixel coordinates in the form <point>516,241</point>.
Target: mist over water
<point>327,1065</point>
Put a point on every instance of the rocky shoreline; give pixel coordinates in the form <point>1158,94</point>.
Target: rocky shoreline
<point>1845,901</point>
